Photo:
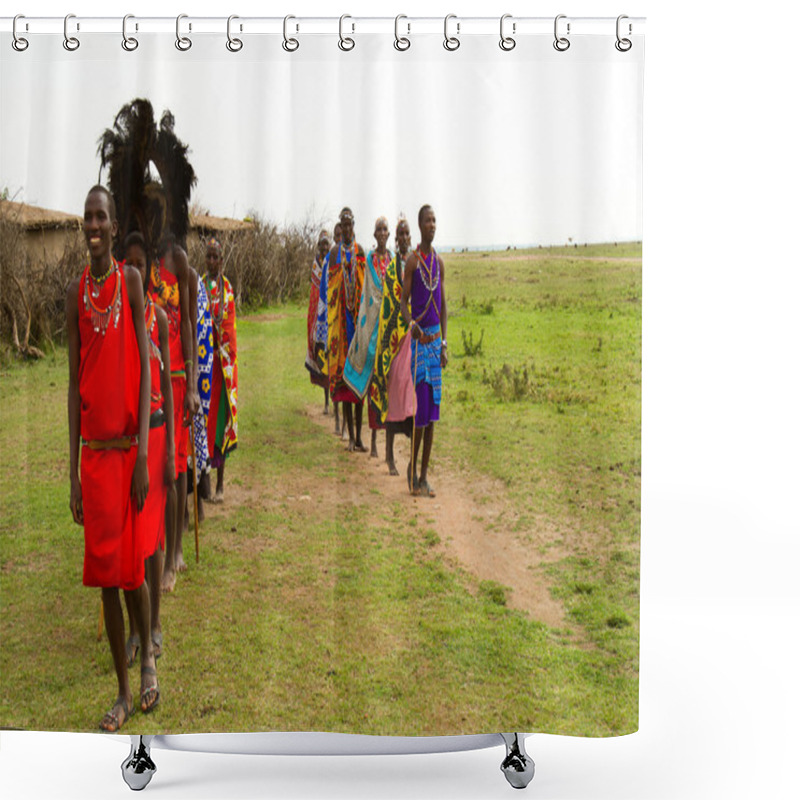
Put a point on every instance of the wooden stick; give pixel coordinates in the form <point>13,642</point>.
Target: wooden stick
<point>194,494</point>
<point>100,622</point>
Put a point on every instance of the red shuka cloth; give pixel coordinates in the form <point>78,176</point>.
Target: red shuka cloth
<point>108,384</point>
<point>150,522</point>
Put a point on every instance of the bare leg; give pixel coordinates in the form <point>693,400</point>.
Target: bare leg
<point>115,628</point>
<point>180,564</point>
<point>149,686</point>
<point>219,494</point>
<point>337,429</point>
<point>327,398</point>
<point>347,413</point>
<point>390,452</point>
<point>154,567</point>
<point>170,570</point>
<point>132,642</point>
<point>427,446</point>
<point>359,421</point>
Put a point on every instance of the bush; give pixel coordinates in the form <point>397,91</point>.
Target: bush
<point>264,264</point>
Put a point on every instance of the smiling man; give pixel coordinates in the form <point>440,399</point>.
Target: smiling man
<point>109,417</point>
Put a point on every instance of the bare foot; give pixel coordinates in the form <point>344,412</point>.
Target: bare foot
<point>148,693</point>
<point>168,580</point>
<point>219,497</point>
<point>180,563</point>
<point>119,714</point>
<point>360,446</point>
<point>373,453</point>
<point>392,468</point>
<point>351,446</point>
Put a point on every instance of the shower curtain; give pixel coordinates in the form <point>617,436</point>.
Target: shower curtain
<point>479,574</point>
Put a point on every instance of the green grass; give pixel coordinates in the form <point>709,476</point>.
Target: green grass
<point>321,614</point>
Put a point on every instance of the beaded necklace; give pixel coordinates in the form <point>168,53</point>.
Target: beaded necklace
<point>432,280</point>
<point>97,283</point>
<point>382,262</point>
<point>150,327</point>
<point>101,316</point>
<point>214,289</point>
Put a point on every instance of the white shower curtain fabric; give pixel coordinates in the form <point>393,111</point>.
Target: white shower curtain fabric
<point>329,594</point>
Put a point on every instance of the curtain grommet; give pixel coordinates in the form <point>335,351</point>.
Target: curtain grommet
<point>561,43</point>
<point>19,43</point>
<point>401,43</point>
<point>129,43</point>
<point>507,43</point>
<point>346,43</point>
<point>451,43</point>
<point>623,44</point>
<point>182,43</point>
<point>71,43</point>
<point>233,44</point>
<point>289,44</point>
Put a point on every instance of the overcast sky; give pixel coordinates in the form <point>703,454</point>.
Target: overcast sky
<point>527,147</point>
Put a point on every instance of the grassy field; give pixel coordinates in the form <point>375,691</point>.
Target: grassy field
<point>315,605</point>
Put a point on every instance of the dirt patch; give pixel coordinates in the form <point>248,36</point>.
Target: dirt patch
<point>474,523</point>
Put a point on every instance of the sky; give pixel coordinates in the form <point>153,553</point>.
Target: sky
<point>512,149</point>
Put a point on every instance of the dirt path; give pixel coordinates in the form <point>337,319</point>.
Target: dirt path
<point>472,520</point>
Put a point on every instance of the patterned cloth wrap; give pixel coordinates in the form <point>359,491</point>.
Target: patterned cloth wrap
<point>321,334</point>
<point>205,361</point>
<point>344,267</point>
<point>428,361</point>
<point>318,371</point>
<point>361,353</point>
<point>223,408</point>
<point>392,328</point>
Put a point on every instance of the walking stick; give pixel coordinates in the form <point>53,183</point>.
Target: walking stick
<point>100,622</point>
<point>194,493</point>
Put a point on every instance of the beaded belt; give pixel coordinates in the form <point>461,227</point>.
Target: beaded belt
<point>123,443</point>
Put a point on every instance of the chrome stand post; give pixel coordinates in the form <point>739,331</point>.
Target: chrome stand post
<point>138,768</point>
<point>517,766</point>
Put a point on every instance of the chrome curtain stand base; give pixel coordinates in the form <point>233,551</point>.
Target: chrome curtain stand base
<point>517,766</point>
<point>138,768</point>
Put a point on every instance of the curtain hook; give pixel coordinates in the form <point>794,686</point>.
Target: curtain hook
<point>623,45</point>
<point>451,42</point>
<point>345,43</point>
<point>234,45</point>
<point>561,43</point>
<point>401,43</point>
<point>19,43</point>
<point>183,43</point>
<point>129,43</point>
<point>507,42</point>
<point>71,43</point>
<point>289,44</point>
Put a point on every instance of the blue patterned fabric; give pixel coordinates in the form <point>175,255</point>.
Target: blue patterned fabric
<point>426,362</point>
<point>205,358</point>
<point>321,334</point>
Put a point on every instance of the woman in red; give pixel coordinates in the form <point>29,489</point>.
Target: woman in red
<point>161,450</point>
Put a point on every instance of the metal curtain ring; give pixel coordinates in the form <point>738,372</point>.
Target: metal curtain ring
<point>71,43</point>
<point>506,42</point>
<point>233,44</point>
<point>289,44</point>
<point>561,43</point>
<point>19,43</point>
<point>451,42</point>
<point>401,43</point>
<point>183,43</point>
<point>128,42</point>
<point>345,43</point>
<point>623,45</point>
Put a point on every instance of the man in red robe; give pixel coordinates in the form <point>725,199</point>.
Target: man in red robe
<point>109,417</point>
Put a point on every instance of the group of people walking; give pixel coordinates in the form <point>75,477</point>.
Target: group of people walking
<point>377,330</point>
<point>152,362</point>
